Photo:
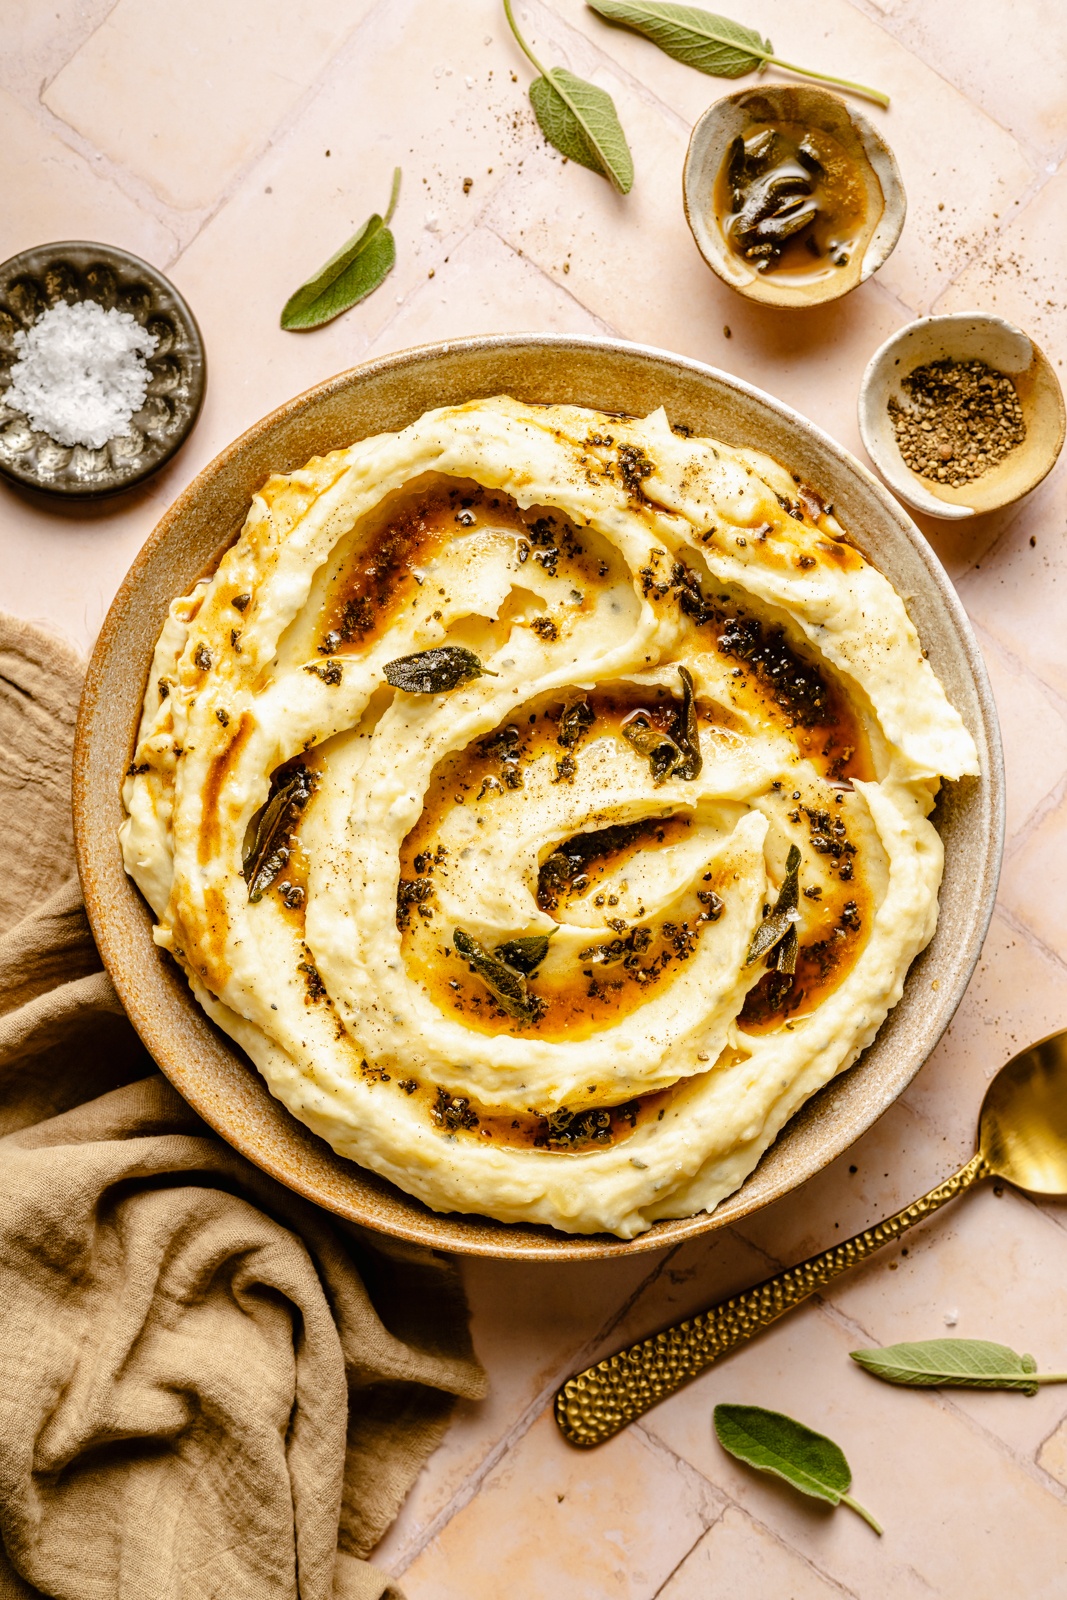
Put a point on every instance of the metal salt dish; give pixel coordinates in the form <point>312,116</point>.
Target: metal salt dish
<point>74,270</point>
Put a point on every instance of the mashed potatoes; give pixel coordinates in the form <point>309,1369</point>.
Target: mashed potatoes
<point>540,800</point>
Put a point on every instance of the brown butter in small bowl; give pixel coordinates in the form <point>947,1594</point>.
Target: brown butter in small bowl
<point>792,202</point>
<point>793,197</point>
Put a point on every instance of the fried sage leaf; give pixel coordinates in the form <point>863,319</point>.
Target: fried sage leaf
<point>579,119</point>
<point>786,951</point>
<point>575,719</point>
<point>712,44</point>
<point>675,754</point>
<point>435,671</point>
<point>781,920</point>
<point>772,1442</point>
<point>955,1364</point>
<point>526,954</point>
<point>270,849</point>
<point>507,986</point>
<point>358,268</point>
<point>686,730</point>
<point>657,747</point>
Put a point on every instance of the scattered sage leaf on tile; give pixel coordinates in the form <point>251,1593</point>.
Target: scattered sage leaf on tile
<point>955,1364</point>
<point>525,954</point>
<point>579,119</point>
<point>358,268</point>
<point>781,919</point>
<point>712,44</point>
<point>270,847</point>
<point>508,988</point>
<point>772,1442</point>
<point>435,671</point>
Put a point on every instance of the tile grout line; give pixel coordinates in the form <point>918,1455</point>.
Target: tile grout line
<point>731,1504</point>
<point>276,137</point>
<point>46,82</point>
<point>996,236</point>
<point>678,1565</point>
<point>472,1484</point>
<point>1030,935</point>
<point>185,225</point>
<point>1028,149</point>
<point>563,288</point>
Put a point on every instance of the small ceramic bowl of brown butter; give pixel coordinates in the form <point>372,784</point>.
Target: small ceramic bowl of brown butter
<point>961,414</point>
<point>792,196</point>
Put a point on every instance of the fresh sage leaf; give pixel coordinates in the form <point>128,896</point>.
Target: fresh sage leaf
<point>526,954</point>
<point>955,1364</point>
<point>271,848</point>
<point>772,1442</point>
<point>781,920</point>
<point>579,119</point>
<point>357,269</point>
<point>507,987</point>
<point>711,43</point>
<point>435,671</point>
<point>715,45</point>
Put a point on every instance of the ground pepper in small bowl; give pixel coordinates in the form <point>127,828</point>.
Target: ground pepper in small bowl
<point>960,419</point>
<point>962,414</point>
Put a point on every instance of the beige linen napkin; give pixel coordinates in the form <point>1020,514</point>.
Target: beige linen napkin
<point>208,1388</point>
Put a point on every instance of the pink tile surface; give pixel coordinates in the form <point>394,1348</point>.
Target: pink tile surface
<point>197,135</point>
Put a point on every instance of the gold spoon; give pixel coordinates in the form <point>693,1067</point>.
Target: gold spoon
<point>1022,1138</point>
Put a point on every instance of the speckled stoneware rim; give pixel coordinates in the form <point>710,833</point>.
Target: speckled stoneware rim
<point>178,370</point>
<point>208,1070</point>
<point>814,107</point>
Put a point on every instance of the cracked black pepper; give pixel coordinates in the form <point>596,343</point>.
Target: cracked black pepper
<point>963,417</point>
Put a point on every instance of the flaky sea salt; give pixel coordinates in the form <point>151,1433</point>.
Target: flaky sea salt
<point>81,373</point>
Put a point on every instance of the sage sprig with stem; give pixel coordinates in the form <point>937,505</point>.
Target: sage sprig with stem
<point>576,117</point>
<point>358,268</point>
<point>712,44</point>
<point>955,1364</point>
<point>772,1442</point>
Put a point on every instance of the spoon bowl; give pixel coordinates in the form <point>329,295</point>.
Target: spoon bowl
<point>1022,1126</point>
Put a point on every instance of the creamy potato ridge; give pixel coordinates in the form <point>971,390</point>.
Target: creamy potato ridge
<point>507,943</point>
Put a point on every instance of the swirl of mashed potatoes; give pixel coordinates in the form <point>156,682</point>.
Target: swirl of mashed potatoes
<point>561,922</point>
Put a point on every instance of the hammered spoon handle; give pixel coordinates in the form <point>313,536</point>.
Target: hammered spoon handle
<point>596,1404</point>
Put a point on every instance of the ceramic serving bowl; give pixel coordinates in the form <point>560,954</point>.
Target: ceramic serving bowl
<point>737,114</point>
<point>965,336</point>
<point>37,279</point>
<point>389,393</point>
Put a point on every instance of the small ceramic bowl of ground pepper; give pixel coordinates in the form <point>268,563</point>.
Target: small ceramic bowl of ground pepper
<point>961,414</point>
<point>793,197</point>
